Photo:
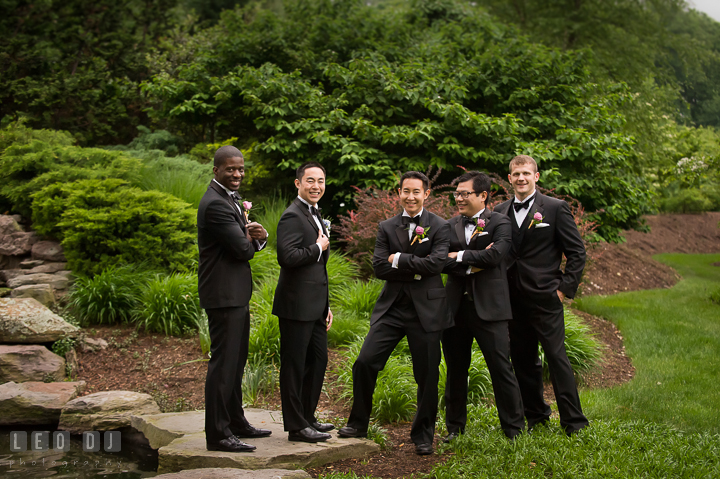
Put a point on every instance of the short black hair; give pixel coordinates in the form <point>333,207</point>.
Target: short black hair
<point>224,153</point>
<point>417,176</point>
<point>480,181</point>
<point>309,164</point>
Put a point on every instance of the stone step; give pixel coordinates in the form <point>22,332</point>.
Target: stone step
<point>25,320</point>
<point>182,446</point>
<point>35,402</point>
<point>228,473</point>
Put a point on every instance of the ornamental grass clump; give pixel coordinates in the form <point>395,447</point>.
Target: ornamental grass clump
<point>109,297</point>
<point>169,304</point>
<point>348,326</point>
<point>356,295</point>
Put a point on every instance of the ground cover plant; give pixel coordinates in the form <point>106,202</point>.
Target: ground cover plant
<point>672,336</point>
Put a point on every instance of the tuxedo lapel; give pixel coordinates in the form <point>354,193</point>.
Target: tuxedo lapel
<point>233,205</point>
<point>424,220</point>
<point>536,208</point>
<point>306,211</point>
<point>402,234</point>
<point>460,231</point>
<point>485,215</point>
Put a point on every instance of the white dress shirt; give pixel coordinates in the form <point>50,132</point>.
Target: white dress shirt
<point>411,230</point>
<point>522,214</point>
<point>231,194</point>
<point>317,222</point>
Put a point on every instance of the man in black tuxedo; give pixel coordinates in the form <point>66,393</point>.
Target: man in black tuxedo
<point>543,230</point>
<point>302,306</point>
<point>479,299</point>
<point>227,242</point>
<point>410,252</point>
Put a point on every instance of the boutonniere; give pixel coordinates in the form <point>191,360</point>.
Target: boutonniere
<point>537,220</point>
<point>328,225</point>
<point>479,227</point>
<point>420,233</point>
<point>246,209</point>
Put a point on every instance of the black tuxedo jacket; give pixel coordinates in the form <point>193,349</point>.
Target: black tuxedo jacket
<point>536,254</point>
<point>489,287</point>
<point>302,290</point>
<point>224,276</point>
<point>425,259</point>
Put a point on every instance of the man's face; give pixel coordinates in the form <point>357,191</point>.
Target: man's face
<point>473,203</point>
<point>312,185</point>
<point>412,195</point>
<point>231,173</point>
<point>523,179</point>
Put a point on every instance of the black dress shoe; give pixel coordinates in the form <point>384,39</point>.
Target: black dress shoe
<point>423,449</point>
<point>250,431</point>
<point>308,435</point>
<point>230,444</point>
<point>322,426</point>
<point>451,437</point>
<point>348,431</point>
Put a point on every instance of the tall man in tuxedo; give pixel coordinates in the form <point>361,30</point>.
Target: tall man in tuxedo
<point>478,294</point>
<point>302,306</point>
<point>410,252</point>
<point>543,230</point>
<point>227,242</point>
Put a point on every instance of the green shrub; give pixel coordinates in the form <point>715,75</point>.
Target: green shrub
<point>264,330</point>
<point>690,200</point>
<point>109,297</point>
<point>259,377</point>
<point>268,213</point>
<point>348,326</point>
<point>18,134</point>
<point>169,304</point>
<point>265,266</point>
<point>396,391</point>
<point>104,222</point>
<point>201,321</point>
<point>583,350</point>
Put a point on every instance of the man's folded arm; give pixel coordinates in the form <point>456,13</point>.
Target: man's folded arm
<point>222,225</point>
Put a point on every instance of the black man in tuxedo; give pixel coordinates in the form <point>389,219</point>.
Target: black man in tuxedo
<point>410,252</point>
<point>543,231</point>
<point>479,299</point>
<point>302,306</point>
<point>227,241</point>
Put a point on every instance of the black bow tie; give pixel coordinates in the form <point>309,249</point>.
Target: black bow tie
<point>523,205</point>
<point>236,198</point>
<point>406,220</point>
<point>469,221</point>
<point>316,212</point>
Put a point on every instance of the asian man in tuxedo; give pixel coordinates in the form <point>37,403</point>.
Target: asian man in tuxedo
<point>543,230</point>
<point>227,241</point>
<point>302,305</point>
<point>479,299</point>
<point>410,253</point>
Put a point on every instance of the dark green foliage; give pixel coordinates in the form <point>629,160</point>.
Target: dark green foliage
<point>169,304</point>
<point>109,297</point>
<point>75,65</point>
<point>104,222</point>
<point>445,88</point>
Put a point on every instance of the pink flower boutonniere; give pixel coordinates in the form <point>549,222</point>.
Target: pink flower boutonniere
<point>480,226</point>
<point>246,207</point>
<point>420,233</point>
<point>537,219</point>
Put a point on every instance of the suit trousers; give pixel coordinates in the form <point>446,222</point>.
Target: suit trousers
<point>494,341</point>
<point>543,321</point>
<point>380,342</point>
<point>303,360</point>
<point>229,336</point>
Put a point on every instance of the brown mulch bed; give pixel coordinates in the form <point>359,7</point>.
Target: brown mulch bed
<point>152,363</point>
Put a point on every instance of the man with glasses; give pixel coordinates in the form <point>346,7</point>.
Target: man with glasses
<point>479,298</point>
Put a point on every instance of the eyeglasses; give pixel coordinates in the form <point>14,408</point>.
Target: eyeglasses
<point>463,194</point>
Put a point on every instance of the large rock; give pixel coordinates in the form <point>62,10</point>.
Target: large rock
<point>189,451</point>
<point>43,293</point>
<point>57,281</point>
<point>48,251</point>
<point>31,263</point>
<point>25,320</point>
<point>30,362</point>
<point>8,274</point>
<point>18,244</point>
<point>48,268</point>
<point>105,411</point>
<point>9,225</point>
<point>34,402</point>
<point>230,473</point>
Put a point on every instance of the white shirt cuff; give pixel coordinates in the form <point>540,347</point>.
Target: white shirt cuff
<point>396,260</point>
<point>321,251</point>
<point>469,270</point>
<point>459,256</point>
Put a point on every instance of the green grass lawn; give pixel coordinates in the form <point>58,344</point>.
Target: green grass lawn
<point>673,339</point>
